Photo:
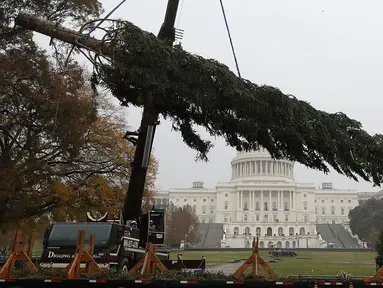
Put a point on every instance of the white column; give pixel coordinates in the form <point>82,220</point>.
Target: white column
<point>262,205</point>
<point>251,199</point>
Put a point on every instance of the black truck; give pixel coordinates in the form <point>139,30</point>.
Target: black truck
<point>117,245</point>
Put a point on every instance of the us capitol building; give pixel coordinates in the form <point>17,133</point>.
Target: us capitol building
<point>263,199</point>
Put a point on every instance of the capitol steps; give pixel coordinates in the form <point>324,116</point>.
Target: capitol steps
<point>211,235</point>
<point>337,235</point>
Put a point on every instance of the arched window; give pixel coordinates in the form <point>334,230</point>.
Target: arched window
<point>305,205</point>
<point>279,244</point>
<point>291,231</point>
<point>257,206</point>
<point>226,204</point>
<point>247,231</point>
<point>302,231</point>
<point>203,209</point>
<point>245,218</point>
<point>280,231</point>
<point>269,231</point>
<point>294,244</point>
<point>287,244</point>
<point>258,231</point>
<point>261,244</point>
<point>236,230</point>
<point>323,210</point>
<point>332,210</point>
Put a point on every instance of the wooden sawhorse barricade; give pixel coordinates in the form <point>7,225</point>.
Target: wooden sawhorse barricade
<point>255,260</point>
<point>83,256</point>
<point>18,253</point>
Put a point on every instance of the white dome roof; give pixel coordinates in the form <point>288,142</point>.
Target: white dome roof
<point>262,153</point>
<point>259,165</point>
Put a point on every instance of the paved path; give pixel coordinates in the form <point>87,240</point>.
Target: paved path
<point>227,269</point>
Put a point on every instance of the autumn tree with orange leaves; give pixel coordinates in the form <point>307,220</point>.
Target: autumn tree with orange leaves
<point>62,151</point>
<point>182,224</point>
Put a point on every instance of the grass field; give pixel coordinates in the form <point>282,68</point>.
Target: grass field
<point>306,263</point>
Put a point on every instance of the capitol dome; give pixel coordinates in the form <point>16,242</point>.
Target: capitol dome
<point>260,164</point>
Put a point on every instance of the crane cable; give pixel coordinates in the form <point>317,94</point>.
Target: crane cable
<point>230,39</point>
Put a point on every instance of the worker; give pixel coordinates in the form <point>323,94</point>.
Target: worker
<point>152,226</point>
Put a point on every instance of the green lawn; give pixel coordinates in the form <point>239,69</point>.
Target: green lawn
<point>306,263</point>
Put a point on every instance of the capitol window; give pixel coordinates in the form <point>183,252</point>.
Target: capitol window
<point>226,205</point>
<point>274,206</point>
<point>257,206</point>
<point>332,210</point>
<point>236,230</point>
<point>322,201</point>
<point>225,218</point>
<point>211,209</point>
<point>305,205</point>
<point>257,217</point>
<point>245,206</point>
<point>258,231</point>
<point>323,210</point>
<point>245,218</point>
<point>286,217</point>
<point>342,211</point>
<point>341,201</point>
<point>203,209</point>
<point>304,195</point>
<point>265,206</point>
<point>226,194</point>
<point>204,200</point>
<point>185,199</point>
<point>349,201</point>
<point>195,200</point>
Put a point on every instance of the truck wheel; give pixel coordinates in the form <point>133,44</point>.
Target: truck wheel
<point>125,266</point>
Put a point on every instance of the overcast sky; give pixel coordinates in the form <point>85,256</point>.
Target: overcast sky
<point>328,53</point>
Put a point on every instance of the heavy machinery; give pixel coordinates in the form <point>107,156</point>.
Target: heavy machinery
<point>117,244</point>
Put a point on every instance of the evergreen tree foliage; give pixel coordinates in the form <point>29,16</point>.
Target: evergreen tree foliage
<point>193,91</point>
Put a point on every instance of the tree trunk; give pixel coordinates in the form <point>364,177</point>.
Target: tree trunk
<point>50,29</point>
